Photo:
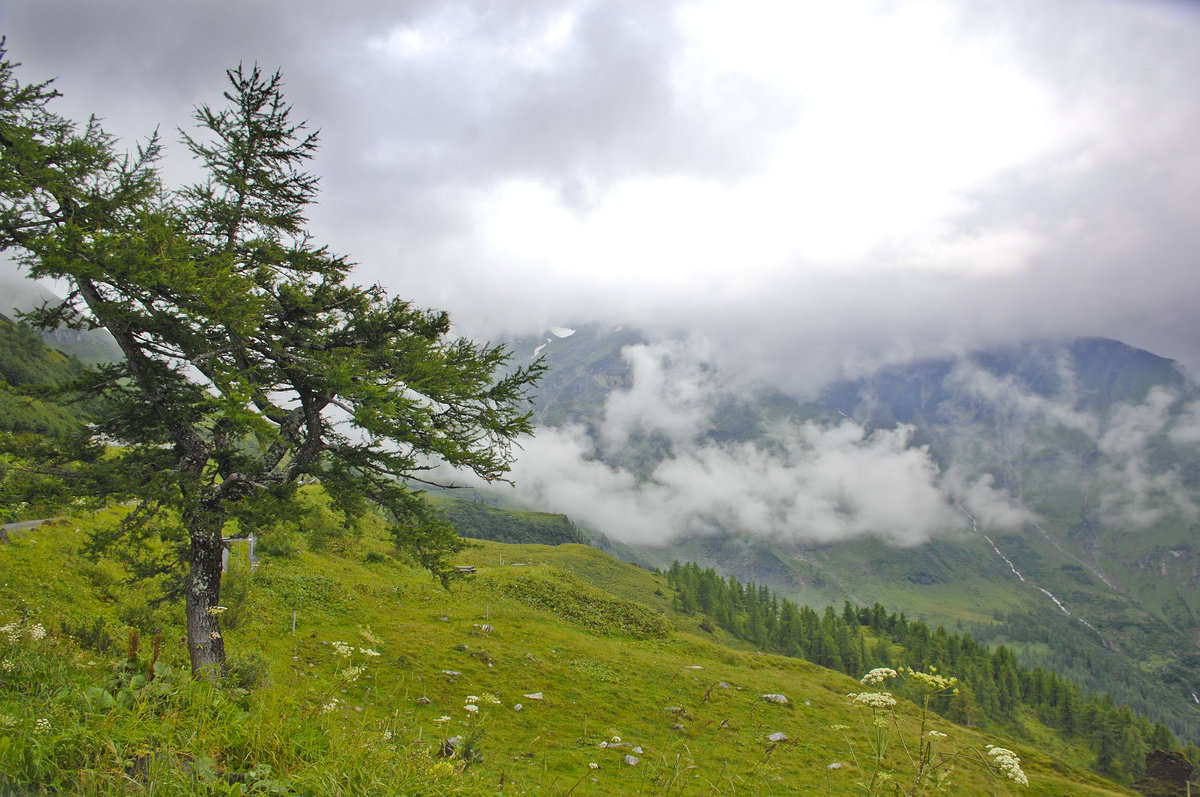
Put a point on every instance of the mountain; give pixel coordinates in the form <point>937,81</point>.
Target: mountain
<point>91,347</point>
<point>1043,495</point>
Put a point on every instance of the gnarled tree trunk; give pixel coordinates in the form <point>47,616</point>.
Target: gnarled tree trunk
<point>206,645</point>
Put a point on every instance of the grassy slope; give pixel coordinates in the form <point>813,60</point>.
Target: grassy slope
<point>555,620</point>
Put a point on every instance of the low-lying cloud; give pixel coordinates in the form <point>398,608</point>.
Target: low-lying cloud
<point>798,482</point>
<point>650,470</point>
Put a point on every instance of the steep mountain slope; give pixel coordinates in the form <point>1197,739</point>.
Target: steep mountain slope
<point>22,295</point>
<point>1059,485</point>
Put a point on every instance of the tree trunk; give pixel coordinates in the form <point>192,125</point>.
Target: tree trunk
<point>206,646</point>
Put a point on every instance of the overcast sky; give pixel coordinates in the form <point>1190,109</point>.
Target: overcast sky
<point>816,186</point>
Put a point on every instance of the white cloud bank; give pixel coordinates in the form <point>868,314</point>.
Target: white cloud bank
<point>802,482</point>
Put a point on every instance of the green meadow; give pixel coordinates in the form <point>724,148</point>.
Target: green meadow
<point>550,670</point>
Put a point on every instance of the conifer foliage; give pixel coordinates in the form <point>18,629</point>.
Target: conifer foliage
<point>251,361</point>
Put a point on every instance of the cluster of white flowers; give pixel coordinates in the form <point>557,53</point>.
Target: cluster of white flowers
<point>368,651</point>
<point>343,649</point>
<point>331,705</point>
<point>7,665</point>
<point>442,718</point>
<point>351,673</point>
<point>877,676</point>
<point>936,735</point>
<point>42,725</point>
<point>593,765</point>
<point>1008,764</point>
<point>7,721</point>
<point>873,699</point>
<point>12,631</point>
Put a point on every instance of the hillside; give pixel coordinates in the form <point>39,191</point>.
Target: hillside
<point>1044,495</point>
<point>584,645</point>
<point>22,295</point>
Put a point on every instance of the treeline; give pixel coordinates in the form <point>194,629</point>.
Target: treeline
<point>994,686</point>
<point>1055,641</point>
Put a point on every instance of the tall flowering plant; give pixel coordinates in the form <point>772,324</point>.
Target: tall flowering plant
<point>927,755</point>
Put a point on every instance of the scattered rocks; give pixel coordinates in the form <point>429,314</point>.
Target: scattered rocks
<point>632,760</point>
<point>774,698</point>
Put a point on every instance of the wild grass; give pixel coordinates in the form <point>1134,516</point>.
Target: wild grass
<point>593,657</point>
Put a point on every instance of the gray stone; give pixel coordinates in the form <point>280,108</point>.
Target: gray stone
<point>631,760</point>
<point>777,737</point>
<point>774,698</point>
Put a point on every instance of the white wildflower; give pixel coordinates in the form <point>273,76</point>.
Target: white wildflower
<point>42,725</point>
<point>877,676</point>
<point>471,707</point>
<point>593,765</point>
<point>36,632</point>
<point>343,649</point>
<point>471,699</point>
<point>936,735</point>
<point>442,718</point>
<point>368,651</point>
<point>1008,763</point>
<point>874,700</point>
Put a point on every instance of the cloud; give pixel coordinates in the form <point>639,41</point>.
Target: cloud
<point>815,190</point>
<point>798,482</point>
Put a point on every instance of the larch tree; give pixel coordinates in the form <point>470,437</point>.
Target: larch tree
<point>251,361</point>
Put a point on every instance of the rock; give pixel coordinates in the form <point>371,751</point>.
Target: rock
<point>631,760</point>
<point>637,750</point>
<point>1167,774</point>
<point>451,673</point>
<point>773,698</point>
<point>679,726</point>
<point>777,737</point>
<point>534,696</point>
<point>518,707</point>
<point>484,627</point>
<point>834,765</point>
<point>723,685</point>
<point>692,667</point>
<point>424,701</point>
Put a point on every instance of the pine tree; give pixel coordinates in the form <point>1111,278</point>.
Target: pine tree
<point>251,360</point>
